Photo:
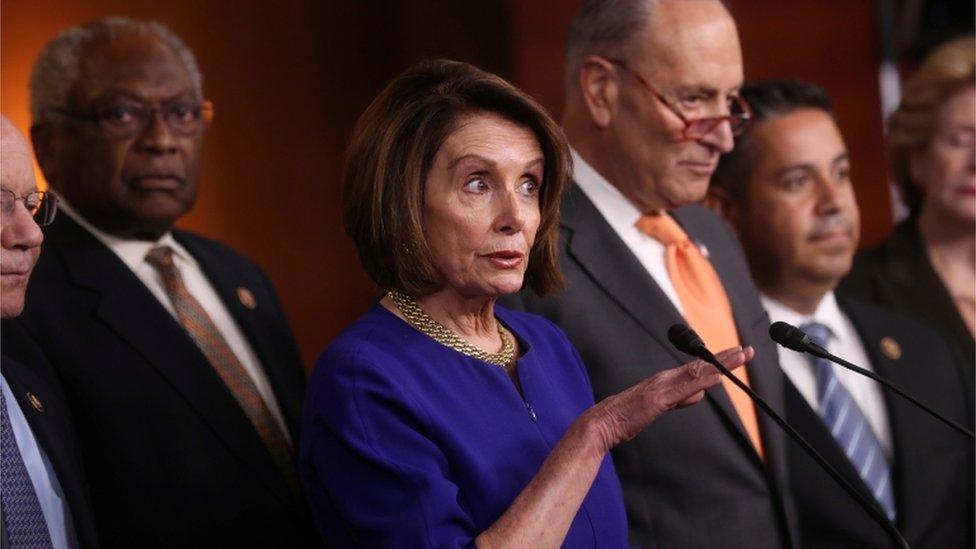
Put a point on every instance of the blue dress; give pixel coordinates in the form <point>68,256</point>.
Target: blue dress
<point>408,443</point>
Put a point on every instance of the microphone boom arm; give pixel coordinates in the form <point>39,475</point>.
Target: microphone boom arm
<point>899,392</point>
<point>694,347</point>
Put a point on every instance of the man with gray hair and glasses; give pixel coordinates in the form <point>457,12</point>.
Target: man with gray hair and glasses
<point>44,499</point>
<point>175,355</point>
<point>652,101</point>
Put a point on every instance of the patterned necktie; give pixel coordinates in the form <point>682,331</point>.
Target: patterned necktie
<point>201,329</point>
<point>850,428</point>
<point>23,519</point>
<point>706,306</point>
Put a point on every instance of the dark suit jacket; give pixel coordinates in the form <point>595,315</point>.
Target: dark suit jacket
<point>933,465</point>
<point>898,276</point>
<point>51,426</point>
<point>692,478</point>
<point>171,458</point>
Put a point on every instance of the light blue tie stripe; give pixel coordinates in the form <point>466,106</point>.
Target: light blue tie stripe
<point>842,416</point>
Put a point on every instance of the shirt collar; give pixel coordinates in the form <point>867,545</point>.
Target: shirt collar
<point>132,252</point>
<point>827,313</point>
<point>609,201</point>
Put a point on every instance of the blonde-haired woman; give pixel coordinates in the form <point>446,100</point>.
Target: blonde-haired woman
<point>927,268</point>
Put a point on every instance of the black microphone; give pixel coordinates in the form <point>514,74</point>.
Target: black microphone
<point>791,337</point>
<point>687,341</point>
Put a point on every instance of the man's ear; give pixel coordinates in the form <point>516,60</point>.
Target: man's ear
<point>42,138</point>
<point>719,201</point>
<point>600,89</point>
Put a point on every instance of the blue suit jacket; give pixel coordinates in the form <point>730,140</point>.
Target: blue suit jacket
<point>171,458</point>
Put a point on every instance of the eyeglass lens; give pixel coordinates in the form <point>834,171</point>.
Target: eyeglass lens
<point>40,204</point>
<point>128,118</point>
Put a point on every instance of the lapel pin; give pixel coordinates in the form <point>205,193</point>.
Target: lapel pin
<point>890,348</point>
<point>35,402</point>
<point>246,297</point>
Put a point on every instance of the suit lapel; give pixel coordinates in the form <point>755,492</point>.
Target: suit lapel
<point>597,248</point>
<point>47,414</point>
<point>165,345</point>
<point>908,426</point>
<point>600,252</point>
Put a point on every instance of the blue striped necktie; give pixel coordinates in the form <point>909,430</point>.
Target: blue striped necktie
<point>842,416</point>
<point>23,519</point>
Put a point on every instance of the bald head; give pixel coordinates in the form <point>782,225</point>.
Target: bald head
<point>16,155</point>
<point>19,234</point>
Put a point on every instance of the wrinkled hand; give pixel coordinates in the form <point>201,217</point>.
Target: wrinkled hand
<point>621,417</point>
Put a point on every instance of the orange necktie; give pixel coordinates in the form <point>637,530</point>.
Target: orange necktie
<point>706,306</point>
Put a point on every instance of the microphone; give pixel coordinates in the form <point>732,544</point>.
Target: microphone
<point>687,341</point>
<point>791,337</point>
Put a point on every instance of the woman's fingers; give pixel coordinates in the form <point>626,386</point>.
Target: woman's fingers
<point>622,416</point>
<point>735,357</point>
<point>699,375</point>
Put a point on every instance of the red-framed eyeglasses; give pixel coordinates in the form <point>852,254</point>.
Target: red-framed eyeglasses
<point>738,117</point>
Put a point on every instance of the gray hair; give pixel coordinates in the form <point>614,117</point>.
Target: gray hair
<point>58,68</point>
<point>605,27</point>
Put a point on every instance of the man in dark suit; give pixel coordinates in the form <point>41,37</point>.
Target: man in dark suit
<point>651,103</point>
<point>45,498</point>
<point>787,191</point>
<point>175,355</point>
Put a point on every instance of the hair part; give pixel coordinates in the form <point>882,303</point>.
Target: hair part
<point>393,148</point>
<point>768,99</point>
<point>58,68</point>
<point>948,69</point>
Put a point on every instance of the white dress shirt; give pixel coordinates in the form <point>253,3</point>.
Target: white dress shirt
<point>133,254</point>
<point>843,342</point>
<point>54,505</point>
<point>622,216</point>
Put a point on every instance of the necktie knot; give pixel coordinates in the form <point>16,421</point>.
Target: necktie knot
<point>819,333</point>
<point>663,228</point>
<point>160,257</point>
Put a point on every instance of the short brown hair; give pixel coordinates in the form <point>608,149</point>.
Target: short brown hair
<point>948,69</point>
<point>393,148</point>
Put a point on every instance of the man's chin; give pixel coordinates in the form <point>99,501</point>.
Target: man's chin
<point>11,303</point>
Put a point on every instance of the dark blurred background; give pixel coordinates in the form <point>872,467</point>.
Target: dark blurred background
<point>290,78</point>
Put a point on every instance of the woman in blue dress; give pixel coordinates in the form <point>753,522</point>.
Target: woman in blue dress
<point>439,419</point>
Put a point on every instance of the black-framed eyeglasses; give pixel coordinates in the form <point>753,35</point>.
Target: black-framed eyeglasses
<point>738,117</point>
<point>127,118</point>
<point>42,205</point>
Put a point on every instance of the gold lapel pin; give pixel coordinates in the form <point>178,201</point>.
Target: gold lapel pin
<point>35,402</point>
<point>246,297</point>
<point>890,348</point>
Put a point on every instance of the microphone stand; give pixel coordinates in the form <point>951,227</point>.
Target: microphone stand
<point>886,383</point>
<point>877,515</point>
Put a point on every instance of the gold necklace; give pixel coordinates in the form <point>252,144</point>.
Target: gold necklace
<point>423,322</point>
